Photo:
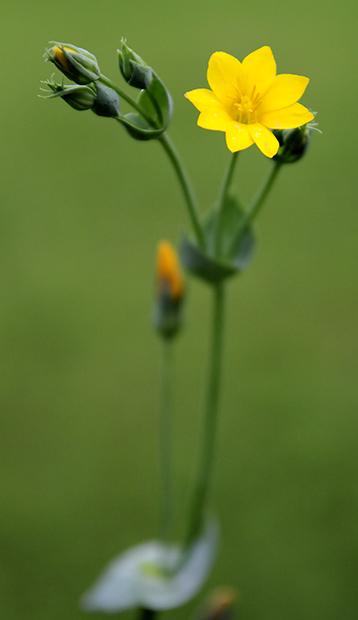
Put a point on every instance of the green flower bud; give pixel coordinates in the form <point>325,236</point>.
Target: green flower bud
<point>107,103</point>
<point>75,63</point>
<point>133,68</point>
<point>293,143</point>
<point>167,316</point>
<point>77,96</point>
<point>102,100</point>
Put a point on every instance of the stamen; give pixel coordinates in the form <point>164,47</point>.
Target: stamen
<point>237,89</point>
<point>256,102</point>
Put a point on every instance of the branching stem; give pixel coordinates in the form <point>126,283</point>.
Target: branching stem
<point>186,186</point>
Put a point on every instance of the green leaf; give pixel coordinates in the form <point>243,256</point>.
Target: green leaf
<point>230,223</point>
<point>138,127</point>
<point>156,102</point>
<point>244,250</point>
<point>204,264</point>
<point>141,75</point>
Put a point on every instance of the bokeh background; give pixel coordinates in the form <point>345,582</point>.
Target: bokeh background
<point>82,209</point>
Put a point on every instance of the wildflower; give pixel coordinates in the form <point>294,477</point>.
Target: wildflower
<point>170,292</point>
<point>248,99</point>
<point>76,63</point>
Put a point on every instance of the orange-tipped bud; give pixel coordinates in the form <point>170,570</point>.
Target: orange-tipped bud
<point>76,63</point>
<point>169,274</point>
<point>220,604</point>
<point>170,291</point>
<point>59,56</point>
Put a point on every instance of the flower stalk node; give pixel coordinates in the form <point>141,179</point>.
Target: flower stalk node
<point>236,251</point>
<point>156,103</point>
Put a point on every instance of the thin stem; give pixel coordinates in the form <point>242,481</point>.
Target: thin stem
<point>185,185</point>
<point>256,204</point>
<point>165,441</point>
<point>174,158</point>
<point>203,480</point>
<point>146,614</point>
<point>221,201</point>
<point>107,82</point>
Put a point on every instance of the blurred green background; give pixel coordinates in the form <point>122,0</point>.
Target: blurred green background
<point>82,209</point>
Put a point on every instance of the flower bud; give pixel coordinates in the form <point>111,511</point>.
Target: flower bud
<point>133,68</point>
<point>101,99</point>
<point>293,143</point>
<point>77,96</point>
<point>107,103</point>
<point>75,63</point>
<point>167,317</point>
<point>220,604</point>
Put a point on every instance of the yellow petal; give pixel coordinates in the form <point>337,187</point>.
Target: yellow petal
<point>260,67</point>
<point>284,91</point>
<point>293,116</point>
<point>264,139</point>
<point>214,118</point>
<point>202,98</point>
<point>238,137</point>
<point>226,77</point>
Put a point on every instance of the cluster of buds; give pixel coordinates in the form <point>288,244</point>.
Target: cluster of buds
<point>167,316</point>
<point>153,108</point>
<point>87,93</point>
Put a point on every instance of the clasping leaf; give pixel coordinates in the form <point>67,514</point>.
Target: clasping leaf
<point>154,575</point>
<point>233,259</point>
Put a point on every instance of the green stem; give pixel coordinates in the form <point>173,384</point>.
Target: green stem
<point>255,205</point>
<point>146,614</point>
<point>174,158</point>
<point>165,441</point>
<point>204,475</point>
<point>218,213</point>
<point>185,185</point>
<point>107,82</point>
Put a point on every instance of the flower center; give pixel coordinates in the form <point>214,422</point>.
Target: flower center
<point>245,106</point>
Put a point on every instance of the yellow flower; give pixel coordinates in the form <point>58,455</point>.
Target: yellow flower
<point>169,275</point>
<point>248,99</point>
